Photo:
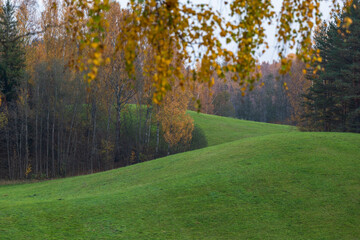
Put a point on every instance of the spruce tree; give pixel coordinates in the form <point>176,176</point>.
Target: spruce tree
<point>12,61</point>
<point>351,73</point>
<point>334,98</point>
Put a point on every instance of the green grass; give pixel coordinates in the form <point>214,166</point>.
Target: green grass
<point>220,130</point>
<point>290,185</point>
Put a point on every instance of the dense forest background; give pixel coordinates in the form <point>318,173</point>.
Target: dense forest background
<point>53,123</point>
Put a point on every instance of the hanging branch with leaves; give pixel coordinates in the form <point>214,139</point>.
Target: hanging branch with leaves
<point>174,29</point>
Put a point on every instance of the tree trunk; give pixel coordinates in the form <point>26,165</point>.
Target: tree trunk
<point>157,137</point>
<point>53,171</point>
<point>149,131</point>
<point>139,141</point>
<point>8,150</point>
<point>47,141</point>
<point>108,164</point>
<point>36,141</point>
<point>27,164</point>
<point>20,149</point>
<point>117,128</point>
<point>93,149</point>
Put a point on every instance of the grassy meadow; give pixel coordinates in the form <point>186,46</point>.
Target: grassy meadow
<point>254,181</point>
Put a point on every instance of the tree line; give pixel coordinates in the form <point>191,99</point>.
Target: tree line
<point>315,97</point>
<point>275,98</point>
<point>53,123</point>
<point>56,122</point>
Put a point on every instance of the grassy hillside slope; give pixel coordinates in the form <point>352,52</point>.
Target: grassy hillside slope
<point>280,186</point>
<point>220,130</point>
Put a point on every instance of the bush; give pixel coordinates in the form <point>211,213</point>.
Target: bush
<point>198,138</point>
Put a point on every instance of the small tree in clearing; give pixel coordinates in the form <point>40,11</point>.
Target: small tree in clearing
<point>176,125</point>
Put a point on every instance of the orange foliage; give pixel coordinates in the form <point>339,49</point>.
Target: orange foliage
<point>297,86</point>
<point>176,125</point>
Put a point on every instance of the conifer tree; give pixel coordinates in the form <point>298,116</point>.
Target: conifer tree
<point>351,73</point>
<point>12,61</point>
<point>333,100</point>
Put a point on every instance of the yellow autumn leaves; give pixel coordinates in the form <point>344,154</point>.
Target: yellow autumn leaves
<point>173,30</point>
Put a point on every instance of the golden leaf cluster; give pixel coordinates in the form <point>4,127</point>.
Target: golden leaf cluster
<point>176,125</point>
<point>174,30</point>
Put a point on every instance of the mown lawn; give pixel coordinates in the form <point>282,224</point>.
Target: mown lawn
<point>220,130</point>
<point>280,186</point>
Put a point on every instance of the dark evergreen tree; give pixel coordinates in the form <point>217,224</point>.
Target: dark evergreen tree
<point>351,100</point>
<point>333,100</point>
<point>12,60</point>
<point>223,105</point>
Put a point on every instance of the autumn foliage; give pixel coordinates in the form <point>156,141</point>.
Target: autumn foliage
<point>86,85</point>
<point>172,28</point>
<point>177,126</point>
<point>53,123</point>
